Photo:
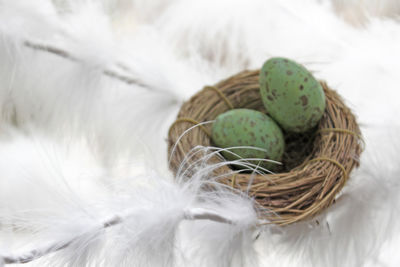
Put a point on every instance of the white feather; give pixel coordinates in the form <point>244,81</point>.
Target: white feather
<point>110,133</point>
<point>358,13</point>
<point>77,95</point>
<point>56,196</point>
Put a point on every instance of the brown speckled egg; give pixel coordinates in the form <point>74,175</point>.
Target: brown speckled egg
<point>291,95</point>
<point>245,127</point>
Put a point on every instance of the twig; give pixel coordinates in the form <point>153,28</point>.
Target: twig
<point>193,214</point>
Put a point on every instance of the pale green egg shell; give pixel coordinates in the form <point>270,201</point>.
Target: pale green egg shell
<point>291,95</point>
<point>245,127</point>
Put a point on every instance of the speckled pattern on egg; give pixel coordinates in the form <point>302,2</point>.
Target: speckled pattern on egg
<point>245,127</point>
<point>291,95</point>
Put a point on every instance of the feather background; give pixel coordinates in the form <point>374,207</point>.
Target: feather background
<point>83,132</point>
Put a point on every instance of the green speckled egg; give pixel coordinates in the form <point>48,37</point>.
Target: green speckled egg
<point>291,95</point>
<point>245,127</point>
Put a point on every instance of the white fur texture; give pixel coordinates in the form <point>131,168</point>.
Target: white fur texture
<point>78,146</point>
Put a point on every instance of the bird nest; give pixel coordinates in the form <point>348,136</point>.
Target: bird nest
<point>315,166</point>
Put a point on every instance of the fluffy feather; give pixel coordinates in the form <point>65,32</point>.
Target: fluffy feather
<point>103,139</point>
<point>358,13</point>
<point>64,100</point>
<point>55,195</point>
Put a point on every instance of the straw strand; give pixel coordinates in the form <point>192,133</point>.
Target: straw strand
<point>219,92</point>
<point>190,121</point>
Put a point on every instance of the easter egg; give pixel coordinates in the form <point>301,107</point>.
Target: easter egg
<point>259,135</point>
<point>291,95</point>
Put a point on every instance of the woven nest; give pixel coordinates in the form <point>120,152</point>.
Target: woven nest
<point>316,165</point>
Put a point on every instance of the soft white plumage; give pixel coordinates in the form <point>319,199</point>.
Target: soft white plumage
<point>55,195</point>
<point>79,145</point>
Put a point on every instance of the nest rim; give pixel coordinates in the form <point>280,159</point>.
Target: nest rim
<point>282,198</point>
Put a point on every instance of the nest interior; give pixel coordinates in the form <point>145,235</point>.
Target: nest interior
<point>316,165</point>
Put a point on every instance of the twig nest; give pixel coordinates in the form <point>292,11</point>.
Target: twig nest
<point>316,164</point>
